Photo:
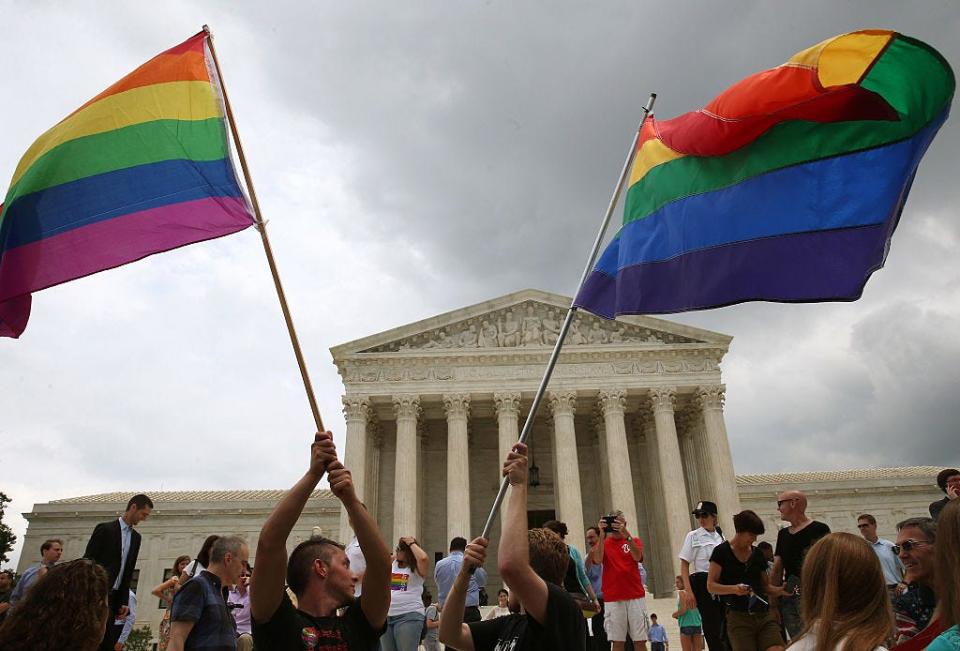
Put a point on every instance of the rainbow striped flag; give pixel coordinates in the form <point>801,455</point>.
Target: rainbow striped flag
<point>787,187</point>
<point>143,167</point>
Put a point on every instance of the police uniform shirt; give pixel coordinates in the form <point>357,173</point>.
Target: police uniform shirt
<point>697,548</point>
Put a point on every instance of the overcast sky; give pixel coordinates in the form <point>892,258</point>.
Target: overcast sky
<point>413,158</point>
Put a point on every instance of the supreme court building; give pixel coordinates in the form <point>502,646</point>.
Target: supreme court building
<point>632,420</point>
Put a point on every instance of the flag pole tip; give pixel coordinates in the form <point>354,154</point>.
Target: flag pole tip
<point>206,28</point>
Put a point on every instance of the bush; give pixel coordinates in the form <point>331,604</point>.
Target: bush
<point>139,639</point>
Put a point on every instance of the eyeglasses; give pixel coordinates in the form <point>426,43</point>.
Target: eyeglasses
<point>789,499</point>
<point>908,546</point>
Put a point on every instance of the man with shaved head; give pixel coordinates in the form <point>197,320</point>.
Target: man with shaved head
<point>792,545</point>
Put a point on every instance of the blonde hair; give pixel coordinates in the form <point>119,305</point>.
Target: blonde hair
<point>948,565</point>
<point>844,596</point>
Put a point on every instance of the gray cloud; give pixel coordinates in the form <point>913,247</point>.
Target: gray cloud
<point>417,158</point>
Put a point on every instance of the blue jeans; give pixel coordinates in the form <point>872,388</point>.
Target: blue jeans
<point>403,632</point>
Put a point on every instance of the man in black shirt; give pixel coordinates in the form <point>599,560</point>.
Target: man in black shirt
<point>533,564</point>
<point>792,545</point>
<point>319,572</point>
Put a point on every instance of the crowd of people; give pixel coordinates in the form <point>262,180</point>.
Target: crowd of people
<point>813,590</point>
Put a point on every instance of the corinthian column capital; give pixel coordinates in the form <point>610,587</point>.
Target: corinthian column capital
<point>507,402</point>
<point>711,396</point>
<point>356,408</point>
<point>563,402</point>
<point>406,405</point>
<point>612,401</point>
<point>662,398</point>
<point>456,405</point>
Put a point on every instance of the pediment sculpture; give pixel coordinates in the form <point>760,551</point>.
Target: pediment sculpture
<point>529,325</point>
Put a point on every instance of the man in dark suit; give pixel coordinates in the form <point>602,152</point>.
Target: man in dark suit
<point>115,546</point>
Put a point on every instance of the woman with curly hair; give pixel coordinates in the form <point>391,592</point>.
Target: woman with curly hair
<point>65,609</point>
<point>165,592</point>
<point>844,599</point>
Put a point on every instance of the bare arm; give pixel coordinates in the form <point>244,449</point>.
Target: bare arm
<point>453,632</point>
<point>178,635</point>
<point>514,554</point>
<point>689,599</point>
<point>420,556</point>
<point>166,585</point>
<point>266,587</point>
<point>376,579</point>
<point>715,587</point>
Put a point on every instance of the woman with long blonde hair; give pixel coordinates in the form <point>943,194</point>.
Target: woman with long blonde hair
<point>948,577</point>
<point>844,601</point>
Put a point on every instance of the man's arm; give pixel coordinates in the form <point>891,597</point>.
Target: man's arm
<point>178,635</point>
<point>266,586</point>
<point>513,558</point>
<point>453,632</point>
<point>376,579</point>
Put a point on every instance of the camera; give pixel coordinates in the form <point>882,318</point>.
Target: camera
<point>608,521</point>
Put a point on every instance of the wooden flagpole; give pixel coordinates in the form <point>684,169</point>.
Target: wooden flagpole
<point>552,362</point>
<point>261,226</point>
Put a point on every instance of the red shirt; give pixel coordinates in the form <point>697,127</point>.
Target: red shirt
<point>621,574</point>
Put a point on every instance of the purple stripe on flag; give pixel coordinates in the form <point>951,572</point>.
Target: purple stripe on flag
<point>797,268</point>
<point>108,244</point>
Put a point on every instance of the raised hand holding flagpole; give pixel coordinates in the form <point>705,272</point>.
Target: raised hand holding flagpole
<point>552,362</point>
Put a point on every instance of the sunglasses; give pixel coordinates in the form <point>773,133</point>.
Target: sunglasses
<point>782,502</point>
<point>908,546</point>
<point>863,526</point>
<point>701,514</point>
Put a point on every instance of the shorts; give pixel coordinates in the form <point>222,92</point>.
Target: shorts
<point>690,630</point>
<point>622,617</point>
<point>748,631</point>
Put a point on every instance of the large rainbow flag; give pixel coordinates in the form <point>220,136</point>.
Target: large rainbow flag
<point>787,187</point>
<point>141,168</point>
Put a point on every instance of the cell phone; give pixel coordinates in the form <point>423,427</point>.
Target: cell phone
<point>608,521</point>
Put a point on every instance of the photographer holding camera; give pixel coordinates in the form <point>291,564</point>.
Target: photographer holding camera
<point>623,593</point>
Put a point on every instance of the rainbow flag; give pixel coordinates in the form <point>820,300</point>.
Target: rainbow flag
<point>141,168</point>
<point>787,187</point>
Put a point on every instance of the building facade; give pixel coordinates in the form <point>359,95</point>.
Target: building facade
<point>632,420</point>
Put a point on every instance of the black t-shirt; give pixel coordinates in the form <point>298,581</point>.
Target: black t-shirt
<point>563,630</point>
<point>294,630</point>
<point>733,571</point>
<point>792,547</point>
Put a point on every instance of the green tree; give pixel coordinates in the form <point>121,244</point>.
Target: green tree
<point>7,537</point>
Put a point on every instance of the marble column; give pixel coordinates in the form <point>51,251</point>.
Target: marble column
<point>688,452</point>
<point>566,470</point>
<point>656,552</point>
<point>605,501</point>
<point>374,446</point>
<point>405,491</point>
<point>508,425</point>
<point>457,408</point>
<point>717,448</point>
<point>671,471</point>
<point>617,464</point>
<point>356,412</point>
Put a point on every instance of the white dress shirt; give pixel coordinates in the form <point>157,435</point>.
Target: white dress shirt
<point>698,547</point>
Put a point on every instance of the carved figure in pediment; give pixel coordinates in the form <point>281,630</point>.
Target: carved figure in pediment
<point>575,336</point>
<point>442,341</point>
<point>551,328</point>
<point>509,331</point>
<point>597,335</point>
<point>469,337</point>
<point>488,335</point>
<point>530,328</point>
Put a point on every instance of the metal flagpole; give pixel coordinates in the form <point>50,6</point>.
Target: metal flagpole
<point>261,226</point>
<point>528,425</point>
